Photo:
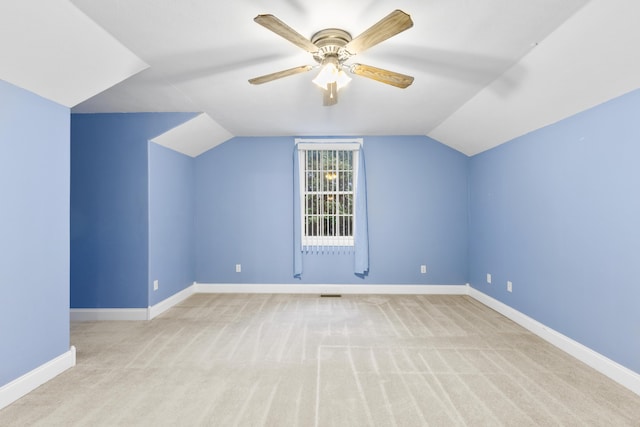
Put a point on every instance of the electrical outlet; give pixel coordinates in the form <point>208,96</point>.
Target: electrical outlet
<point>423,269</point>
<point>509,286</point>
<point>238,268</point>
<point>488,278</point>
<point>155,285</point>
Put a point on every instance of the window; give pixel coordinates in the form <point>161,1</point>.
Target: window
<point>328,171</point>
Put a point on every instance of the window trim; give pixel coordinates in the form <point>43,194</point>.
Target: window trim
<point>340,144</point>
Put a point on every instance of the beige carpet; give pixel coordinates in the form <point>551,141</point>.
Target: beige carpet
<point>284,360</point>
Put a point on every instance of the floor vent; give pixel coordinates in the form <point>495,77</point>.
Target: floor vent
<point>330,295</point>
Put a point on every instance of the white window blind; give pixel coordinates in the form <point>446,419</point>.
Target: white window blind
<point>328,172</point>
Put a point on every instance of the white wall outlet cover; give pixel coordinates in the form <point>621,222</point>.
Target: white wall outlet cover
<point>423,269</point>
<point>155,285</point>
<point>238,268</point>
<point>509,286</point>
<point>488,278</point>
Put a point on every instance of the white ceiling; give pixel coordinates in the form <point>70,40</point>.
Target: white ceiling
<point>40,50</point>
<point>485,71</point>
<point>194,137</point>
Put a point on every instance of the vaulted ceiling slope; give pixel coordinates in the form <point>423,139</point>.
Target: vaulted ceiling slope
<point>486,71</point>
<point>51,48</point>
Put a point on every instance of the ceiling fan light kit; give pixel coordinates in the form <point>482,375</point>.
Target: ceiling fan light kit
<point>331,72</point>
<point>332,48</point>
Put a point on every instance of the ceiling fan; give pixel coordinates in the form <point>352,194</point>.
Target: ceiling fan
<point>332,48</point>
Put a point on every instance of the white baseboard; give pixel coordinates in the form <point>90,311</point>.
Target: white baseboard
<point>239,288</point>
<point>597,361</point>
<point>33,379</point>
<point>94,314</point>
<point>164,305</point>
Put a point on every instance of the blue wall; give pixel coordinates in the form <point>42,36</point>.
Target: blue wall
<point>417,195</point>
<point>110,207</point>
<point>557,212</point>
<point>171,222</point>
<point>34,231</point>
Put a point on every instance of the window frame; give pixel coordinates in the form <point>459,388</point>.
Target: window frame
<point>334,144</point>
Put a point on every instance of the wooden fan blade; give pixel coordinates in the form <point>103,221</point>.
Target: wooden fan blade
<point>272,23</point>
<point>280,74</point>
<point>383,76</point>
<point>392,24</point>
<point>330,94</point>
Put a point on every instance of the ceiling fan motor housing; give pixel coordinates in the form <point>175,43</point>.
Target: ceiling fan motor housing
<point>330,43</point>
